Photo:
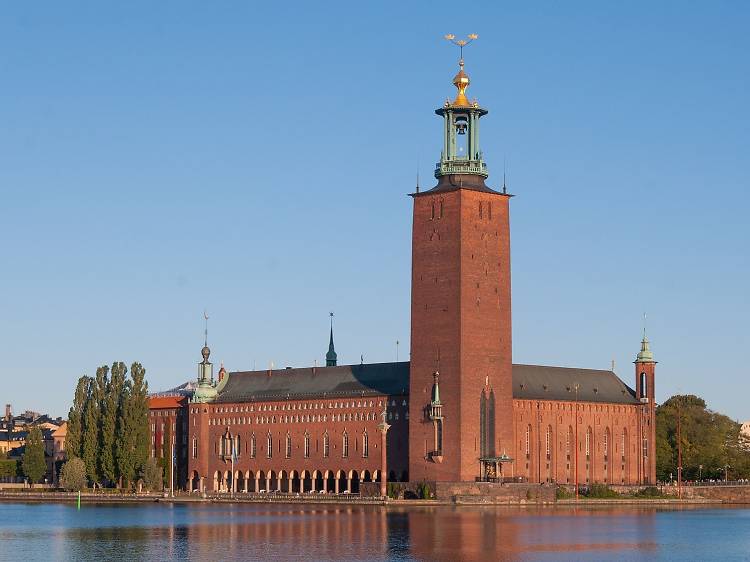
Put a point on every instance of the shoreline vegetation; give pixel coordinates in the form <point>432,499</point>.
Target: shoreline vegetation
<point>599,497</point>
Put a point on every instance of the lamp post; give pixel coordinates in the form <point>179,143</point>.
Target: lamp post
<point>383,427</point>
<point>576,442</point>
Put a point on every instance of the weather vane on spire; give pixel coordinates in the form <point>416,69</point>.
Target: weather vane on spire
<point>205,332</point>
<point>461,43</point>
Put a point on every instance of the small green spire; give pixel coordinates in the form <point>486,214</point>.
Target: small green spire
<point>331,357</point>
<point>645,355</point>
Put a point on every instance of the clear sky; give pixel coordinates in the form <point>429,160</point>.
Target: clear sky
<point>253,159</point>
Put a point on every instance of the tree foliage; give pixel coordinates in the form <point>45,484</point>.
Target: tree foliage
<point>75,419</point>
<point>73,475</point>
<point>109,424</point>
<point>152,475</point>
<point>34,465</point>
<point>708,439</point>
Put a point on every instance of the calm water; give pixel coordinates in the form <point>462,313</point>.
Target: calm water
<point>291,532</point>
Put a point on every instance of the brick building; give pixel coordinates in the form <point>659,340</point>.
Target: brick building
<point>459,410</point>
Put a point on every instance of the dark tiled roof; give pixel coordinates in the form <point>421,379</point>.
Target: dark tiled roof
<point>530,382</point>
<point>343,380</point>
<point>537,382</point>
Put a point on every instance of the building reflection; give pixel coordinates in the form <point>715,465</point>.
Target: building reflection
<point>239,532</point>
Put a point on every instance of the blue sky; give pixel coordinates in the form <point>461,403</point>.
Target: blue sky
<point>253,159</point>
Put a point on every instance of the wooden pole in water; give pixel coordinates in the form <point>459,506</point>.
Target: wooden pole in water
<point>79,499</point>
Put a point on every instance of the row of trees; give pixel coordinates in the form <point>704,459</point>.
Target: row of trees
<point>710,442</point>
<point>108,425</point>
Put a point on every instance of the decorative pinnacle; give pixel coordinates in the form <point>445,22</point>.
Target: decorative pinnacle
<point>461,80</point>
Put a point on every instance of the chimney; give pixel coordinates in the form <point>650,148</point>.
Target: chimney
<point>8,413</point>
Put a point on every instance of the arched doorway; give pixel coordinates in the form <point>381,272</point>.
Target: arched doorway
<point>240,481</point>
<point>317,480</point>
<point>284,481</point>
<point>294,476</point>
<point>341,484</point>
<point>354,482</point>
<point>306,481</point>
<point>262,481</point>
<point>273,482</point>
<point>330,481</point>
<point>251,482</point>
<point>195,482</point>
<point>217,481</point>
<point>366,477</point>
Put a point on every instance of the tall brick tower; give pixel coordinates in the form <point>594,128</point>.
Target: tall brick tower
<point>645,368</point>
<point>460,310</point>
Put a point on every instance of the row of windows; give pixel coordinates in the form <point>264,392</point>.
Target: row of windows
<point>295,406</point>
<point>588,442</point>
<point>163,413</point>
<point>227,445</point>
<point>306,418</point>
<point>568,406</point>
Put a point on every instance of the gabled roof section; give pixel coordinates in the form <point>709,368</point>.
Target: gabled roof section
<point>316,382</point>
<point>165,402</point>
<point>538,382</point>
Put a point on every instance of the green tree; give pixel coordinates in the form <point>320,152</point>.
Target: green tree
<point>166,452</point>
<point>8,468</point>
<point>709,441</point>
<point>110,410</point>
<point>138,415</point>
<point>34,465</point>
<point>90,430</point>
<point>133,435</point>
<point>75,419</point>
<point>152,475</point>
<point>73,475</point>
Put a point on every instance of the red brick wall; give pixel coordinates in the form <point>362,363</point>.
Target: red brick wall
<point>560,466</point>
<point>209,422</point>
<point>461,306</point>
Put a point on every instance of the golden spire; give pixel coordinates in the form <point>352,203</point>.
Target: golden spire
<point>461,80</point>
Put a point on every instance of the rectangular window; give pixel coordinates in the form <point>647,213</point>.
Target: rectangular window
<point>365,446</point>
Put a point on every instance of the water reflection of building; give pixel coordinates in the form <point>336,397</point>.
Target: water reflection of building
<point>459,410</point>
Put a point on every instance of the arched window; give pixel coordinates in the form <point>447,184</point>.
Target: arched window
<point>326,445</point>
<point>252,446</point>
<point>307,444</point>
<point>269,446</point>
<point>644,385</point>
<point>588,443</point>
<point>606,444</point>
<point>237,446</point>
<point>195,447</point>
<point>288,445</point>
<point>548,441</point>
<point>345,445</point>
<point>528,441</point>
<point>365,445</point>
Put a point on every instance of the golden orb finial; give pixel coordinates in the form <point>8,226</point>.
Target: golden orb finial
<point>461,80</point>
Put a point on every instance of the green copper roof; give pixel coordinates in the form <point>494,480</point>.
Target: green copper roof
<point>645,355</point>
